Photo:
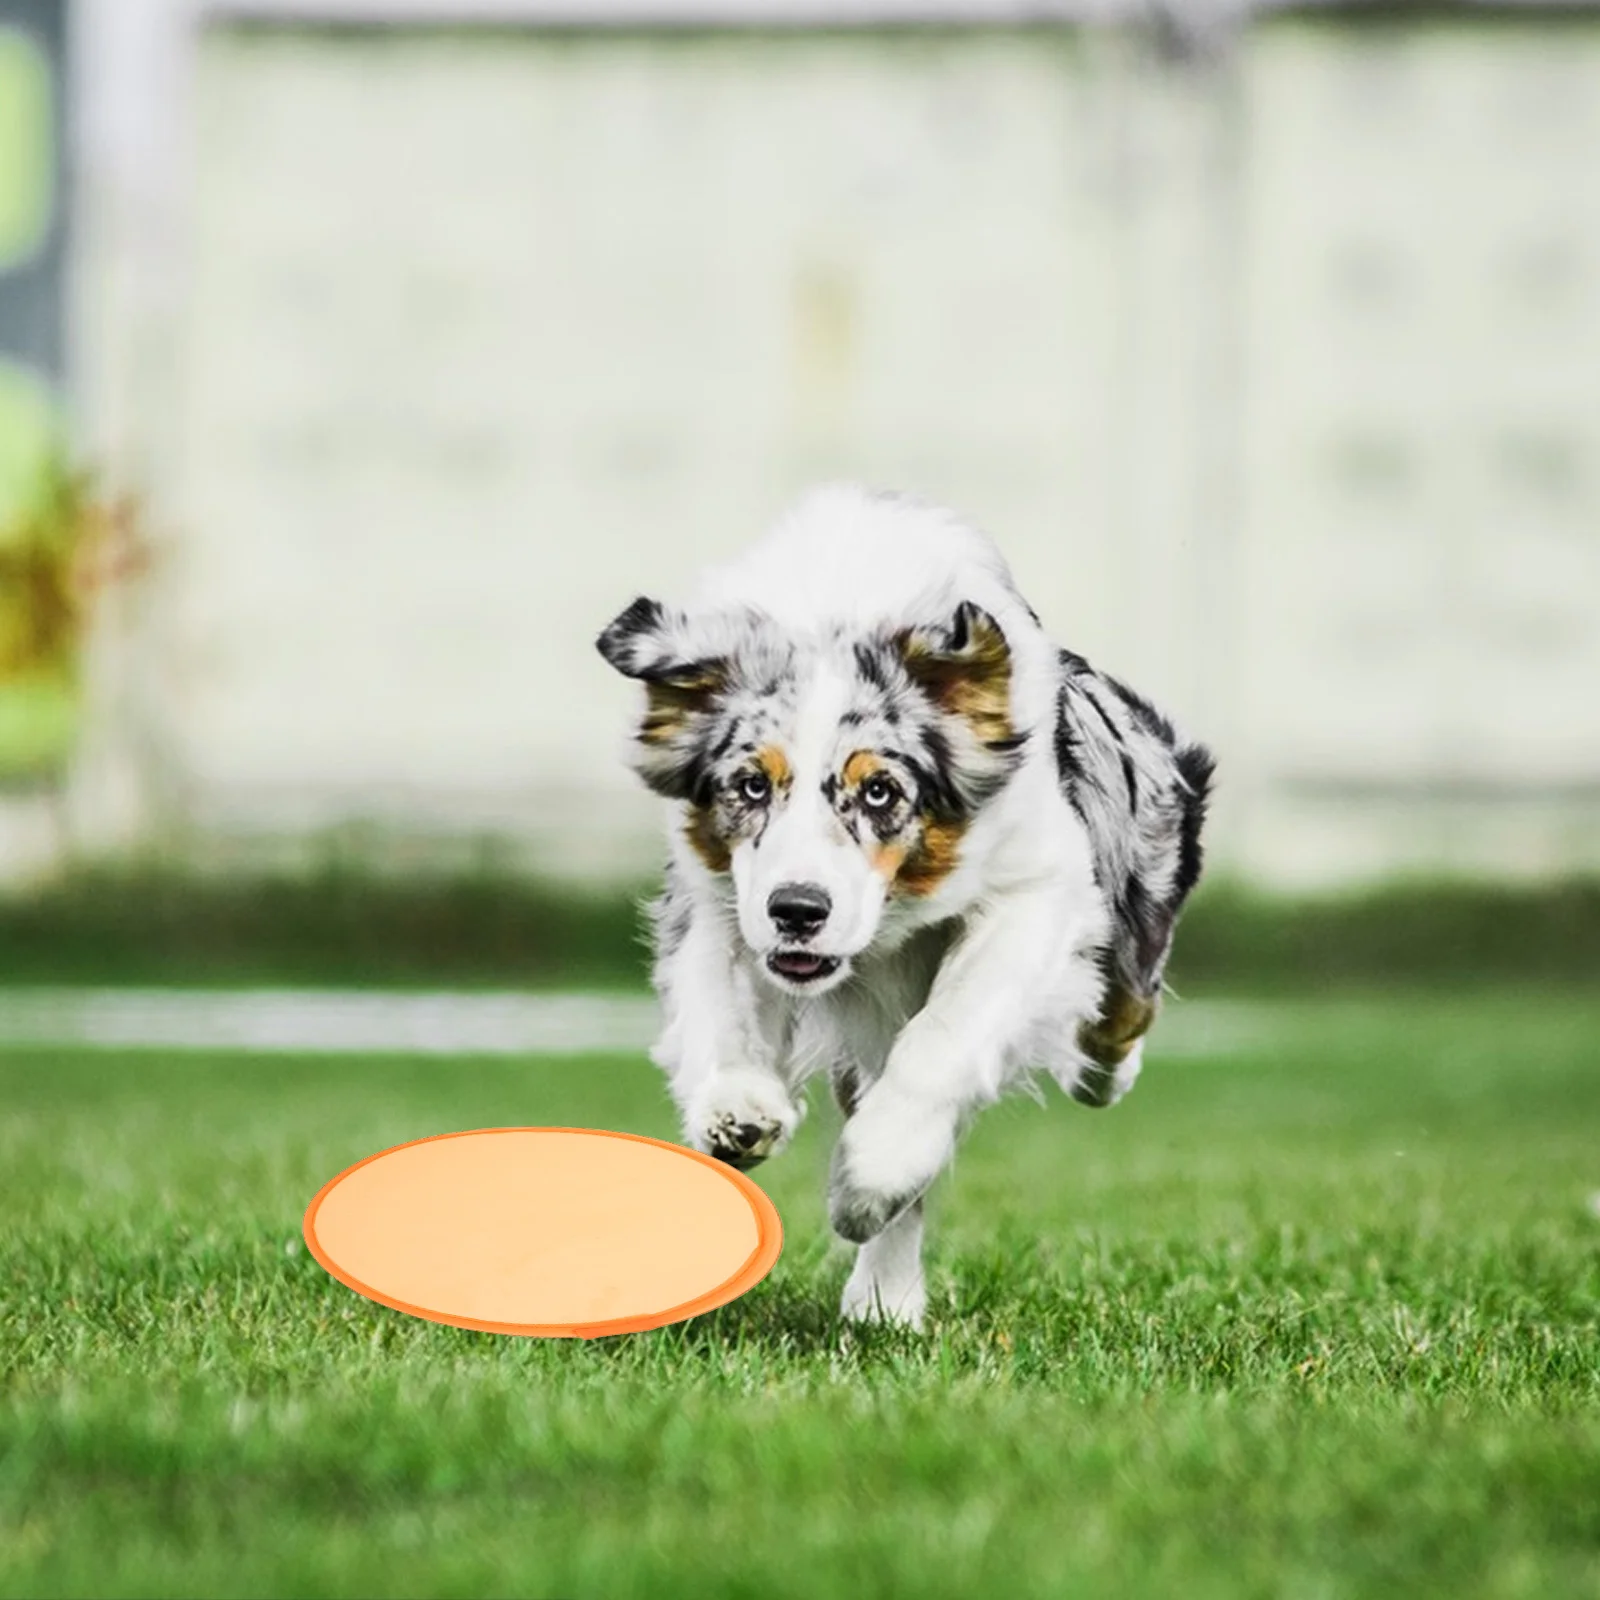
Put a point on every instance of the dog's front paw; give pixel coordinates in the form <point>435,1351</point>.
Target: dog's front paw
<point>889,1153</point>
<point>861,1211</point>
<point>742,1118</point>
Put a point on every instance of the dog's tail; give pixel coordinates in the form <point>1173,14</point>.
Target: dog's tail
<point>1142,792</point>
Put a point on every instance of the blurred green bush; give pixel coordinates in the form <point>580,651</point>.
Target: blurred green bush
<point>356,926</point>
<point>62,545</point>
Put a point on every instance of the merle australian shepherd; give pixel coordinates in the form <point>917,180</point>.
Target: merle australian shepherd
<point>912,844</point>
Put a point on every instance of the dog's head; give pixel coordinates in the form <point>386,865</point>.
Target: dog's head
<point>826,774</point>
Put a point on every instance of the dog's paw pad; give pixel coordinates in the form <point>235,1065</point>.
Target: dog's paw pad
<point>744,1124</point>
<point>743,1144</point>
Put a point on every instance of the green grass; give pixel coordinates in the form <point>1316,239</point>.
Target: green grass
<point>1318,1320</point>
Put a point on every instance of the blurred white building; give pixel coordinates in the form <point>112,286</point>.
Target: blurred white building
<point>1270,353</point>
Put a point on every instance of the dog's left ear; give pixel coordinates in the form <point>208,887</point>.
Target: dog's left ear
<point>964,666</point>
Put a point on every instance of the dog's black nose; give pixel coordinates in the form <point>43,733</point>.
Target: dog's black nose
<point>799,909</point>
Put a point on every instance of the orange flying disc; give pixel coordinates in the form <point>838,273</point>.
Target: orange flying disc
<point>552,1232</point>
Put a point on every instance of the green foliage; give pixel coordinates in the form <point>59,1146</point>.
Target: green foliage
<point>1446,935</point>
<point>1318,1319</point>
<point>41,596</point>
<point>327,927</point>
<point>63,545</point>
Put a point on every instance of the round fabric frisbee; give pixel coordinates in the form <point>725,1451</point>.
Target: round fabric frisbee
<point>550,1232</point>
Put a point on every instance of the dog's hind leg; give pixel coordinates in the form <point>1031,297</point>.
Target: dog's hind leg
<point>1111,1047</point>
<point>886,1283</point>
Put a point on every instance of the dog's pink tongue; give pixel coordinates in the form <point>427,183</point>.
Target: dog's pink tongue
<point>800,966</point>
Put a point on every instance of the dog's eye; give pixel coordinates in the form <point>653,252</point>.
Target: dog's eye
<point>879,793</point>
<point>754,787</point>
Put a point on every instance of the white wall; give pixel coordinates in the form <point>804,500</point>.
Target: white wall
<point>1420,611</point>
<point>1276,379</point>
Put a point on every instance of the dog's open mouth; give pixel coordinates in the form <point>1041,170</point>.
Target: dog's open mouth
<point>801,966</point>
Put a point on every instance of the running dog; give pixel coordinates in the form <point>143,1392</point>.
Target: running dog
<point>912,844</point>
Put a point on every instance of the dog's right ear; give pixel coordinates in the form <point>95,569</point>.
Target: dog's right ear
<point>650,643</point>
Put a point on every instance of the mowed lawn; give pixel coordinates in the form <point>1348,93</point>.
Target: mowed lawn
<point>1317,1318</point>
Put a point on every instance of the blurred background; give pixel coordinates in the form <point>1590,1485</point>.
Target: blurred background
<point>360,358</point>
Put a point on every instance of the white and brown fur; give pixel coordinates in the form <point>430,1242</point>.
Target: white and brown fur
<point>912,844</point>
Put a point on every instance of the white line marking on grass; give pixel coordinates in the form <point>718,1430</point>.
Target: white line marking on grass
<point>1187,1028</point>
<point>450,1023</point>
<point>313,1021</point>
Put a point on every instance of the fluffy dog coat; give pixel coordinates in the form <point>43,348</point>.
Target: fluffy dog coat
<point>912,844</point>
